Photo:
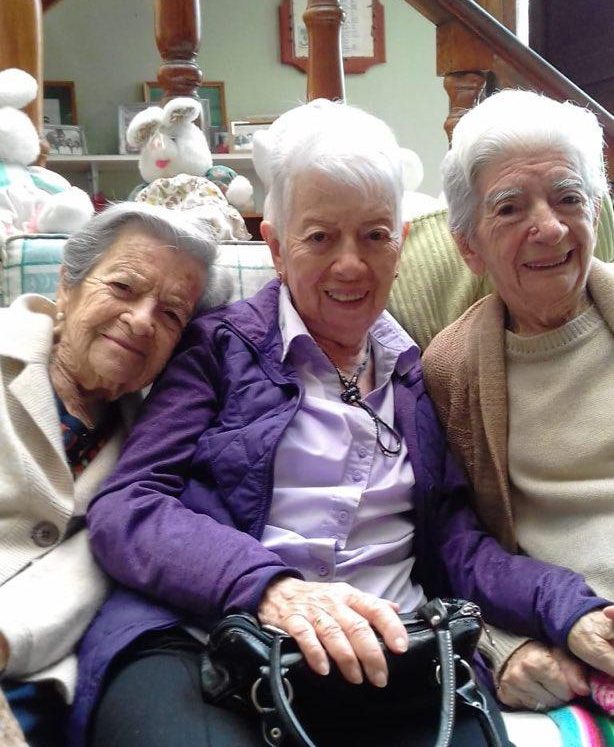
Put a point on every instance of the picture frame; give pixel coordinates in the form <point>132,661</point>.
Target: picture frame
<point>242,132</point>
<point>59,102</point>
<point>210,90</point>
<point>362,34</point>
<point>65,140</point>
<point>125,115</point>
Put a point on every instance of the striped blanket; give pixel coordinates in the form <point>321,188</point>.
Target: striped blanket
<point>580,726</point>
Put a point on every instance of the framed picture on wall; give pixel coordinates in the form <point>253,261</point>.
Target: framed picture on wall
<point>362,34</point>
<point>65,140</point>
<point>211,91</point>
<point>242,132</point>
<point>59,102</point>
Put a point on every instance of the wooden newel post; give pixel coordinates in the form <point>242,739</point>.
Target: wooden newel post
<point>323,19</point>
<point>21,45</point>
<point>177,24</point>
<point>464,92</point>
<point>463,61</point>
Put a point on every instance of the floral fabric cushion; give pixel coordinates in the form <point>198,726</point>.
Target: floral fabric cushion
<point>188,192</point>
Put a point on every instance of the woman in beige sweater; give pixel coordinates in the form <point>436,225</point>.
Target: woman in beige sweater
<point>522,380</point>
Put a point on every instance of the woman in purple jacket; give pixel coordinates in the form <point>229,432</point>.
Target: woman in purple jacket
<point>290,464</point>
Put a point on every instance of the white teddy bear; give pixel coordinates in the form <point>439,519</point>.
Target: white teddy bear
<point>177,166</point>
<point>32,199</point>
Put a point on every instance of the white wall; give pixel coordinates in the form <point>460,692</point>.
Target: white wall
<point>108,48</point>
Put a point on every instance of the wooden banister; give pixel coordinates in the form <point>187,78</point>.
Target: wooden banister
<point>177,26</point>
<point>21,45</point>
<point>325,79</point>
<point>471,45</point>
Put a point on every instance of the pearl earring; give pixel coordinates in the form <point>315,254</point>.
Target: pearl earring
<point>60,316</point>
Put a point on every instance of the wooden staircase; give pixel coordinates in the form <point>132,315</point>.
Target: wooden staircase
<point>476,54</point>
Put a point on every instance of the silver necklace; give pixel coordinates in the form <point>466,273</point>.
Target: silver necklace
<point>351,396</point>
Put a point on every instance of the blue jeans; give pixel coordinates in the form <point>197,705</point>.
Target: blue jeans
<point>40,711</point>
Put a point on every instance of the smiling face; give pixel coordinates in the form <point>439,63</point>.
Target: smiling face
<point>124,319</point>
<point>534,235</point>
<point>338,255</point>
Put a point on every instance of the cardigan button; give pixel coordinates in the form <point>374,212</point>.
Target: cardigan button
<point>45,534</point>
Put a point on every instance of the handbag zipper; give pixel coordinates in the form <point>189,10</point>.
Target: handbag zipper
<point>472,609</point>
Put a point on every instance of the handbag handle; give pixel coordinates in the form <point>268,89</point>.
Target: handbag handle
<point>435,613</point>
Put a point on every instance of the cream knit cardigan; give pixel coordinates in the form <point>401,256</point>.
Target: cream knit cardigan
<point>48,595</point>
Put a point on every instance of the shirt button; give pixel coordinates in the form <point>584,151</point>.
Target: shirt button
<point>45,534</point>
<point>323,570</point>
<point>343,516</point>
<point>363,453</point>
<point>356,476</point>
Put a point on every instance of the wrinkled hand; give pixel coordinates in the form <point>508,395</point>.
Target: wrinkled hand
<point>538,678</point>
<point>592,639</point>
<point>338,620</point>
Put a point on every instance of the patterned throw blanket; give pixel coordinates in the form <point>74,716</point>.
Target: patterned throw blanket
<point>580,726</point>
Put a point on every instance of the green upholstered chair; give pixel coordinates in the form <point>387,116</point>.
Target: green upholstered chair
<point>435,286</point>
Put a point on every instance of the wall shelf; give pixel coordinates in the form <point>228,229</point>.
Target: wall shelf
<point>80,164</point>
<point>94,165</point>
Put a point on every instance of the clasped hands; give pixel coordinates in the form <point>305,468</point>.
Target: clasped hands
<point>540,677</point>
<point>336,620</point>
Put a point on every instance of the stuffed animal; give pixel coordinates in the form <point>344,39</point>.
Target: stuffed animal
<point>32,199</point>
<point>416,203</point>
<point>177,166</point>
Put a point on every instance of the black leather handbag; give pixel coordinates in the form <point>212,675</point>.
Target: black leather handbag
<point>249,666</point>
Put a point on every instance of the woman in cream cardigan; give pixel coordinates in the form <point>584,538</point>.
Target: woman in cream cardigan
<point>70,373</point>
<point>522,380</point>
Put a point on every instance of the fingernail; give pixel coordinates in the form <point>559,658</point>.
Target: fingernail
<point>380,679</point>
<point>323,668</point>
<point>356,676</point>
<point>401,644</point>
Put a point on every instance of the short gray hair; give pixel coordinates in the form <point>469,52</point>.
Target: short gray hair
<point>84,249</point>
<point>345,144</point>
<point>512,122</point>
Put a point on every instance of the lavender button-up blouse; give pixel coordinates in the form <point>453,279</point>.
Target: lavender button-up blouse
<point>341,510</point>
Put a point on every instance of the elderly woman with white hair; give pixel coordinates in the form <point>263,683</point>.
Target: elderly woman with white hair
<point>521,381</point>
<point>290,465</point>
<point>70,375</point>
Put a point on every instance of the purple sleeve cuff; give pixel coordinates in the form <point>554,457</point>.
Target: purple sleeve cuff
<point>250,588</point>
<point>590,604</point>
